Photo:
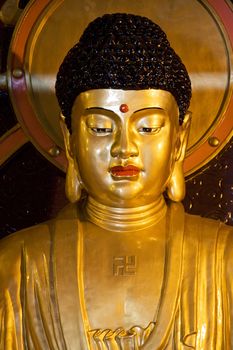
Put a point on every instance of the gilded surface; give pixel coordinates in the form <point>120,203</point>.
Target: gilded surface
<point>122,269</point>
<point>188,305</point>
<point>108,274</point>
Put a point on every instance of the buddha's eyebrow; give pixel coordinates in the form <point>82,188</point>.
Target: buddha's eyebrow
<point>99,108</point>
<point>146,108</point>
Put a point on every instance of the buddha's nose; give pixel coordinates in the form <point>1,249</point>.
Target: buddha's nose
<point>124,145</point>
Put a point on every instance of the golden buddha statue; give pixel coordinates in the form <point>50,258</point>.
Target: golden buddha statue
<point>120,268</point>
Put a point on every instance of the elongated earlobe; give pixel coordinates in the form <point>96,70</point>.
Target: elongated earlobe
<point>73,188</point>
<point>176,184</point>
<point>73,183</point>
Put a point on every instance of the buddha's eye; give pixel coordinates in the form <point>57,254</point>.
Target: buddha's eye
<point>101,131</point>
<point>149,130</point>
<point>99,125</point>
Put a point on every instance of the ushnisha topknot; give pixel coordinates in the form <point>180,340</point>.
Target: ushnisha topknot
<point>122,51</point>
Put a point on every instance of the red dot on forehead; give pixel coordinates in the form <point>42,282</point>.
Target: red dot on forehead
<point>124,108</point>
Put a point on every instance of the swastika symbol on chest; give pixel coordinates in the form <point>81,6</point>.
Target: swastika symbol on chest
<point>124,265</point>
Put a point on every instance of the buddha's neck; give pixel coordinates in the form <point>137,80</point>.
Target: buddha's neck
<point>125,219</point>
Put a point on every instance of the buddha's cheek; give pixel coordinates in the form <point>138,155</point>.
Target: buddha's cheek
<point>93,162</point>
<point>158,161</point>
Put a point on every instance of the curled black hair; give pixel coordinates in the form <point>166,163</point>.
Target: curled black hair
<point>122,51</point>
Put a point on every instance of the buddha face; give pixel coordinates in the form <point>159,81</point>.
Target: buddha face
<point>125,143</point>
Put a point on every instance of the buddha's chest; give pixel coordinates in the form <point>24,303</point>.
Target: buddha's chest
<point>123,277</point>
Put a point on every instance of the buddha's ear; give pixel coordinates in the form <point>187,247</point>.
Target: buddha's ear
<point>66,138</point>
<point>73,187</point>
<point>183,137</point>
<point>176,183</point>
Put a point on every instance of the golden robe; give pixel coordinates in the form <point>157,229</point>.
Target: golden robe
<point>41,305</point>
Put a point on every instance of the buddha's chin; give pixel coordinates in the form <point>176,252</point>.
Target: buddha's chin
<point>126,193</point>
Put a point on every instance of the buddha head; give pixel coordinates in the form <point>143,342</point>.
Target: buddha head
<point>124,95</point>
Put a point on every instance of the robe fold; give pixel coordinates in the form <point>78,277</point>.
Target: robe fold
<point>41,306</point>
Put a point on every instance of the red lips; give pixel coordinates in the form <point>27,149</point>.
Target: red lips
<point>125,171</point>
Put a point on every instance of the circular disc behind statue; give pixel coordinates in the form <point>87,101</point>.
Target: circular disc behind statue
<point>51,28</point>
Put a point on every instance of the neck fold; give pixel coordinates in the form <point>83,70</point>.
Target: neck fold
<point>125,219</point>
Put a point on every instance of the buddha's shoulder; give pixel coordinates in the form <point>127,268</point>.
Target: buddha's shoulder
<point>13,246</point>
<point>32,241</point>
<point>33,246</point>
<point>36,240</point>
<point>208,231</point>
